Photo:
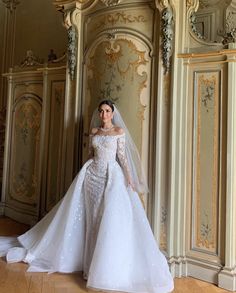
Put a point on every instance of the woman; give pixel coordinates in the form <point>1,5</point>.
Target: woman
<point>99,227</point>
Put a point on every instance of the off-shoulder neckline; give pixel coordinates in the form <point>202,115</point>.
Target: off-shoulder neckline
<point>116,135</point>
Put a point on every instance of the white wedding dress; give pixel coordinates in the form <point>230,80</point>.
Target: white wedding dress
<point>99,227</point>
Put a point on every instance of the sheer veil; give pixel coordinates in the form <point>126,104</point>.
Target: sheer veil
<point>134,162</point>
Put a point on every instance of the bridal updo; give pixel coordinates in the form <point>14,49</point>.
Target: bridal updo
<point>107,102</point>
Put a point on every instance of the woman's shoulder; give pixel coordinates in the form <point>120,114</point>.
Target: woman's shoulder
<point>118,130</point>
<point>94,131</point>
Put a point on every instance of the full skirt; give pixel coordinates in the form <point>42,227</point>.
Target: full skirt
<point>115,248</point>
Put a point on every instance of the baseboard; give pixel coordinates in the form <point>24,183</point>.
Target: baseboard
<point>204,271</point>
<point>227,279</point>
<point>199,269</point>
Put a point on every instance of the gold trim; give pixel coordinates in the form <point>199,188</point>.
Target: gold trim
<point>202,242</point>
<point>207,54</point>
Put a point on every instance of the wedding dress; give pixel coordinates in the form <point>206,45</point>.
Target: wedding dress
<point>99,227</point>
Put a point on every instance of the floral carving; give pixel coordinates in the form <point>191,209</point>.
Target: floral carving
<point>229,33</point>
<point>72,50</point>
<point>167,37</point>
<point>194,27</point>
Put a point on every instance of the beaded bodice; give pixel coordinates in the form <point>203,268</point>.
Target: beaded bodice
<point>106,149</point>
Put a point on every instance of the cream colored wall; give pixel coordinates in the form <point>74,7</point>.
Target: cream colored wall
<point>39,28</point>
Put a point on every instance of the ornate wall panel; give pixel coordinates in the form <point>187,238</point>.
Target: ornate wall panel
<point>206,161</point>
<point>25,144</point>
<point>21,173</point>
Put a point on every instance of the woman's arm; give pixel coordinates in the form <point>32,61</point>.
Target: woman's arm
<point>122,157</point>
<point>90,147</point>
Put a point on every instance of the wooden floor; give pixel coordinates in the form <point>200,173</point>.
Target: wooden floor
<point>15,279</point>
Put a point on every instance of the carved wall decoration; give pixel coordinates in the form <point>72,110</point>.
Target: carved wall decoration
<point>206,160</point>
<point>229,32</point>
<point>72,50</point>
<point>119,17</point>
<point>204,3</point>
<point>162,3</point>
<point>189,3</point>
<point>11,4</point>
<point>167,37</point>
<point>193,25</point>
<point>31,60</point>
<point>110,2</point>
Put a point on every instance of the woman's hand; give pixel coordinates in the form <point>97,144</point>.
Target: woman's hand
<point>130,183</point>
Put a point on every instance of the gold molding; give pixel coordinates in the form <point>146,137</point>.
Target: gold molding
<point>208,54</point>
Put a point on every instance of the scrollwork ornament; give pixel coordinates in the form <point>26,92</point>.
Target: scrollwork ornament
<point>72,37</point>
<point>228,34</point>
<point>162,3</point>
<point>194,27</point>
<point>167,37</point>
<point>110,2</point>
<point>31,60</point>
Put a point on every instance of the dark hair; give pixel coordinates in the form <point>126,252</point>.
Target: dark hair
<point>107,102</point>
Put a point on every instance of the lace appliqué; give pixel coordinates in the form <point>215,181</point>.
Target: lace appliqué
<point>122,157</point>
<point>90,147</point>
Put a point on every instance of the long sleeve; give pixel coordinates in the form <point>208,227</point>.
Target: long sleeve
<point>90,147</point>
<point>122,157</point>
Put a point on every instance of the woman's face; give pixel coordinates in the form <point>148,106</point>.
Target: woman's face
<point>105,113</point>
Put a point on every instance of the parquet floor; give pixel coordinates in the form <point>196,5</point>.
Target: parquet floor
<point>15,279</point>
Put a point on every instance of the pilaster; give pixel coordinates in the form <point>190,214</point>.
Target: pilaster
<point>8,45</point>
<point>227,277</point>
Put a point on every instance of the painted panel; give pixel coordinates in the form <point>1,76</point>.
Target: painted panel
<point>23,172</point>
<point>206,161</point>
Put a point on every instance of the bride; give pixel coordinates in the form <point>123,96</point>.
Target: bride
<point>100,226</point>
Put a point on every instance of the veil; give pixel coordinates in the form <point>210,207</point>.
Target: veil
<point>134,162</point>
